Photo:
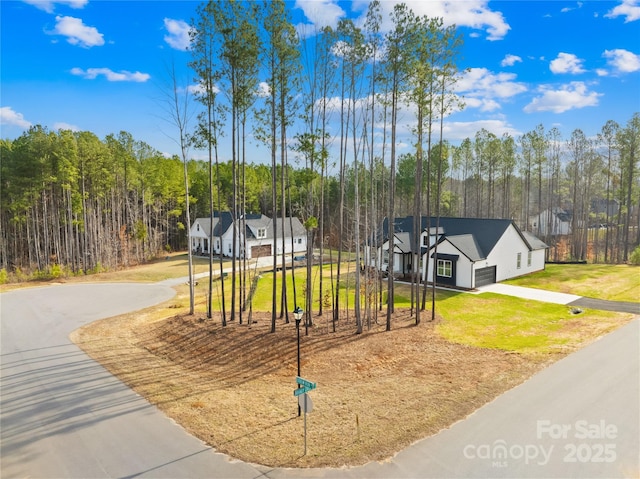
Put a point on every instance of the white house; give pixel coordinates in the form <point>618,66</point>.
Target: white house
<point>254,235</point>
<point>466,252</point>
<point>551,222</point>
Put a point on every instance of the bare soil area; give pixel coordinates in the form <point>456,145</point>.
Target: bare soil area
<point>232,387</point>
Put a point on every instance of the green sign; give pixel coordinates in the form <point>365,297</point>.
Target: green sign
<point>306,386</point>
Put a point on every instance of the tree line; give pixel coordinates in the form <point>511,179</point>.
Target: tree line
<point>326,109</point>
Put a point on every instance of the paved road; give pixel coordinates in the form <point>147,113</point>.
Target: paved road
<point>579,418</point>
<point>62,415</point>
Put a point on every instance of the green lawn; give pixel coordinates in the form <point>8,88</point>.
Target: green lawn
<point>486,320</point>
<point>611,282</point>
<point>513,324</point>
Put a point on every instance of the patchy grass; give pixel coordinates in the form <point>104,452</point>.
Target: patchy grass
<point>172,265</point>
<point>377,392</point>
<point>233,387</point>
<point>611,282</point>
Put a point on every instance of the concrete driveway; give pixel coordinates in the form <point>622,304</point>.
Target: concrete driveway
<point>528,293</point>
<point>559,298</point>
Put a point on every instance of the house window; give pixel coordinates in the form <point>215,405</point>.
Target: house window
<point>262,233</point>
<point>229,247</point>
<point>299,240</point>
<point>444,268</point>
<point>519,261</point>
<point>529,258</point>
<point>385,256</point>
<point>198,227</point>
<point>425,240</point>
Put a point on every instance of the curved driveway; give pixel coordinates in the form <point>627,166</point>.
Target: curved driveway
<point>63,415</point>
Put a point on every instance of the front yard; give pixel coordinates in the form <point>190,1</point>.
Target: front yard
<point>377,392</point>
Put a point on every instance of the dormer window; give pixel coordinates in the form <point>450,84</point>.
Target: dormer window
<point>261,233</point>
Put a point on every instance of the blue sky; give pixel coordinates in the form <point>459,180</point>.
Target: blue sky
<point>102,66</point>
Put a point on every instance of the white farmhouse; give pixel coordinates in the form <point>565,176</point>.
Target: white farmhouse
<point>253,234</point>
<point>551,222</point>
<point>466,252</point>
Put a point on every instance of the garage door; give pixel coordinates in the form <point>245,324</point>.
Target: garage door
<point>261,251</point>
<point>485,276</point>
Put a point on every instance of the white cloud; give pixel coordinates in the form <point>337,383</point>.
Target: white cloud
<point>568,9</point>
<point>622,61</point>
<point>319,13</point>
<point>12,118</point>
<point>510,60</point>
<point>178,36</point>
<point>264,90</point>
<point>571,96</point>
<point>110,75</point>
<point>483,104</point>
<point>566,63</point>
<point>65,126</point>
<point>470,13</point>
<point>459,130</point>
<point>78,33</point>
<point>630,9</point>
<point>199,89</point>
<point>484,86</point>
<point>49,5</point>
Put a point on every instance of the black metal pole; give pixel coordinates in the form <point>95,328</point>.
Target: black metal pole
<point>298,330</point>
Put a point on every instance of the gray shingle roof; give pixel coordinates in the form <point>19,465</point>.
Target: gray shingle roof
<point>486,232</point>
<point>534,242</point>
<point>467,245</point>
<point>222,222</point>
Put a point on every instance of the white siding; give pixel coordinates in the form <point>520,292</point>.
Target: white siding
<point>539,224</point>
<point>299,245</point>
<point>464,267</point>
<point>505,256</point>
<point>198,237</point>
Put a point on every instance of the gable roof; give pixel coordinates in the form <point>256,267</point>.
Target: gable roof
<point>292,227</point>
<point>403,242</point>
<point>467,245</point>
<point>223,221</point>
<point>486,231</point>
<point>534,242</point>
<point>254,223</point>
<point>474,237</point>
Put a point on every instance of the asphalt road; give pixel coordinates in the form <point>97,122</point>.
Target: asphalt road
<point>62,415</point>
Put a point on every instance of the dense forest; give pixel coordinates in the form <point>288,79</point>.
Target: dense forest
<point>329,132</point>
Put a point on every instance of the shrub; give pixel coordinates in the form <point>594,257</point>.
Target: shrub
<point>635,256</point>
<point>57,271</point>
<point>4,276</point>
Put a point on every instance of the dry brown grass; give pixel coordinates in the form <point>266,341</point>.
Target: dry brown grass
<point>233,387</point>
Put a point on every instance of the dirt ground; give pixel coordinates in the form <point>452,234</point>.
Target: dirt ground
<point>232,387</point>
